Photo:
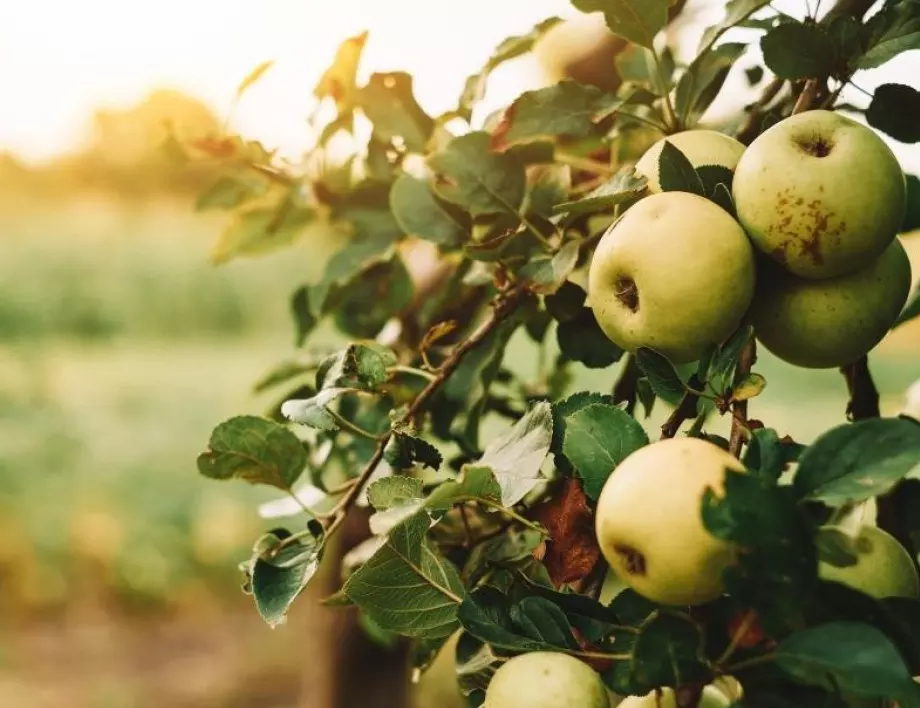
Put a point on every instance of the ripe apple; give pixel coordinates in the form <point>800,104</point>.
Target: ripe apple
<point>545,679</point>
<point>712,698</point>
<point>649,521</point>
<point>820,194</point>
<point>675,274</point>
<point>827,323</point>
<point>883,568</point>
<point>701,147</point>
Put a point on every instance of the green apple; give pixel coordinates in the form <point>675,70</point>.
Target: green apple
<point>581,49</point>
<point>883,568</point>
<point>701,147</point>
<point>649,521</point>
<point>675,274</point>
<point>820,194</point>
<point>545,679</point>
<point>712,698</point>
<point>828,323</point>
<point>438,686</point>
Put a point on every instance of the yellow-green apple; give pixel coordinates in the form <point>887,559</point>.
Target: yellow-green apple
<point>712,698</point>
<point>820,194</point>
<point>883,567</point>
<point>649,521</point>
<point>700,147</point>
<point>581,49</point>
<point>438,684</point>
<point>829,323</point>
<point>675,274</point>
<point>546,680</point>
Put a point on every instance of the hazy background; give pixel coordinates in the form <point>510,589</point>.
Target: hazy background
<point>121,346</point>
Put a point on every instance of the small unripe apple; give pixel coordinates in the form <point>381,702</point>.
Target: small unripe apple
<point>819,193</point>
<point>675,274</point>
<point>581,49</point>
<point>829,323</point>
<point>649,521</point>
<point>700,147</point>
<point>883,568</point>
<point>546,680</point>
<point>712,698</point>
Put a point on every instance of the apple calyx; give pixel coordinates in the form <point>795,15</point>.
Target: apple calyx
<point>634,561</point>
<point>816,146</point>
<point>627,292</point>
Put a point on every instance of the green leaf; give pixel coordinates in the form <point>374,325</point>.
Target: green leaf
<point>701,82</point>
<point>665,653</point>
<point>768,454</point>
<point>565,109</point>
<point>597,438</point>
<point>736,12</point>
<point>474,87</point>
<point>714,175</point>
<point>421,214</point>
<point>836,547</point>
<point>390,105</point>
<point>912,213</point>
<point>485,615</point>
<point>635,20</point>
<point>483,182</point>
<point>228,192</point>
<point>253,77</point>
<point>516,454</point>
<point>539,619</point>
<point>258,230</point>
<point>364,305</point>
<point>895,110</point>
<point>565,409</point>
<point>407,587</point>
<point>403,451</point>
<point>893,30</point>
<point>624,186</point>
<point>394,491</point>
<point>663,377</point>
<point>856,461</point>
<point>304,319</point>
<point>314,412</point>
<point>549,185</point>
<point>581,339</point>
<point>277,577</point>
<point>676,173</point>
<point>750,386</point>
<point>857,657</point>
<point>636,65</point>
<point>567,302</point>
<point>362,365</point>
<point>346,265</point>
<point>549,272</point>
<point>796,50</point>
<point>777,574</point>
<point>256,450</point>
<point>477,483</point>
<point>720,374</point>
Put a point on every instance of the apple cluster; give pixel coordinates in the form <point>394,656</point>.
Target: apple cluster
<point>810,256</point>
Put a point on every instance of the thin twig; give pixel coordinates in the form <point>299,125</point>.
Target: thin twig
<point>740,408</point>
<point>808,98</point>
<point>503,306</point>
<point>685,410</point>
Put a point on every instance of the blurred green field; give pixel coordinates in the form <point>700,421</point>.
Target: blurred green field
<point>120,348</point>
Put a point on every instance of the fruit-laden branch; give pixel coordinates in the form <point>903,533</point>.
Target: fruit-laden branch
<point>864,398</point>
<point>626,388</point>
<point>685,410</point>
<point>503,306</point>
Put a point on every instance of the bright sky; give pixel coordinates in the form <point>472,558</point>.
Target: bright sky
<point>60,59</point>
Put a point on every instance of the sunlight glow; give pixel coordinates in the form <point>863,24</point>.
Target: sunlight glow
<point>61,60</point>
